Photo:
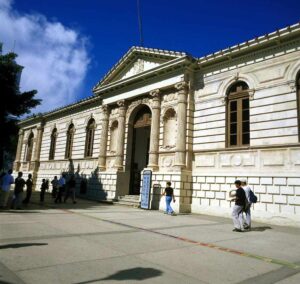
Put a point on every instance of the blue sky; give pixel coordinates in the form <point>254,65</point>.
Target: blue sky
<point>67,46</point>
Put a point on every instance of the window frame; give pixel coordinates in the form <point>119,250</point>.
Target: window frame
<point>69,141</point>
<point>298,102</point>
<point>29,147</point>
<point>238,96</point>
<point>89,138</point>
<point>53,144</point>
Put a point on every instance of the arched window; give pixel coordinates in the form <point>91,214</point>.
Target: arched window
<point>29,148</point>
<point>113,136</point>
<point>170,128</point>
<point>53,144</point>
<point>89,140</point>
<point>70,138</point>
<point>298,102</point>
<point>238,124</point>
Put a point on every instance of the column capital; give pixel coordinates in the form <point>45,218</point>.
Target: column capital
<point>21,132</point>
<point>155,93</point>
<point>105,109</point>
<point>182,86</point>
<point>121,103</point>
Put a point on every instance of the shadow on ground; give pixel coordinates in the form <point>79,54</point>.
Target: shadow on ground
<point>261,229</point>
<point>138,273</point>
<point>21,245</point>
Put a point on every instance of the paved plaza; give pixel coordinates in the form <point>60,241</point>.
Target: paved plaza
<point>91,242</point>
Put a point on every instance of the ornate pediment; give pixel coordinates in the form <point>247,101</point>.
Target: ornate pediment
<point>138,60</point>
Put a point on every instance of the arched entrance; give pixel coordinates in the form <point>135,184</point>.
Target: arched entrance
<point>140,147</point>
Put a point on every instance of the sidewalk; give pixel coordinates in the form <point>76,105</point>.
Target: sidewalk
<point>90,242</point>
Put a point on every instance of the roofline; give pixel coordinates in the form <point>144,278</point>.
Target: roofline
<point>135,49</point>
<point>256,42</point>
<point>41,116</point>
<point>165,66</point>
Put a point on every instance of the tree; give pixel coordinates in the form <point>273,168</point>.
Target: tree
<point>13,105</point>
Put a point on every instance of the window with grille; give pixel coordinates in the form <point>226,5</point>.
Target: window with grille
<point>89,141</point>
<point>238,123</point>
<point>69,144</point>
<point>53,144</point>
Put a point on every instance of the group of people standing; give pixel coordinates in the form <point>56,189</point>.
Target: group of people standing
<point>60,189</point>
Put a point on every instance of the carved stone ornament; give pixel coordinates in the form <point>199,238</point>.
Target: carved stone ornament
<point>155,93</point>
<point>104,109</point>
<point>181,86</point>
<point>251,94</point>
<point>121,103</point>
<point>292,85</point>
<point>223,100</point>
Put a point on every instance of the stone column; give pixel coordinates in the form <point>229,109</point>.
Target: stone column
<point>180,155</point>
<point>38,143</point>
<point>103,138</point>
<point>35,164</point>
<point>121,135</point>
<point>154,135</point>
<point>17,162</point>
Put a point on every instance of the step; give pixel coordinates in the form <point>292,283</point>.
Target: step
<point>129,200</point>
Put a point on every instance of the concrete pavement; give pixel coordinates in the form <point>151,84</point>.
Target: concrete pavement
<point>90,242</point>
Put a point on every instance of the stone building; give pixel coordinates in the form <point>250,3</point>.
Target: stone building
<point>197,122</point>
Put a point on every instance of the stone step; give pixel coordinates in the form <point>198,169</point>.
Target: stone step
<point>129,200</point>
<point>130,197</point>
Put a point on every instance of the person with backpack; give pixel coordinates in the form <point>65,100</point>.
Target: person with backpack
<point>238,208</point>
<point>250,198</point>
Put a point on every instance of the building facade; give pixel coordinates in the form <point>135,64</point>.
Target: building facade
<point>200,123</point>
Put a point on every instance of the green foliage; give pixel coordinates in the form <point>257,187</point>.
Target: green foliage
<point>14,103</point>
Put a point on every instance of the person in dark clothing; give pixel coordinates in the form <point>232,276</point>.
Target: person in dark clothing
<point>54,183</point>
<point>169,193</point>
<point>18,192</point>
<point>238,208</point>
<point>61,188</point>
<point>71,185</point>
<point>29,184</point>
<point>44,187</point>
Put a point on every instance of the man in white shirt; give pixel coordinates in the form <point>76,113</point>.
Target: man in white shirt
<point>247,189</point>
<point>7,180</point>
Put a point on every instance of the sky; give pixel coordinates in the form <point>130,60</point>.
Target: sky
<point>66,47</point>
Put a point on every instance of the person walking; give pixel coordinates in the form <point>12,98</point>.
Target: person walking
<point>247,209</point>
<point>238,208</point>
<point>54,183</point>
<point>169,193</point>
<point>44,187</point>
<point>71,186</point>
<point>6,181</point>
<point>61,188</point>
<point>29,184</point>
<point>18,192</point>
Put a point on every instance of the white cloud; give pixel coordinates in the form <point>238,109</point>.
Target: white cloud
<point>55,57</point>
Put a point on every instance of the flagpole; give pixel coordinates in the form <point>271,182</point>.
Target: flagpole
<point>140,22</point>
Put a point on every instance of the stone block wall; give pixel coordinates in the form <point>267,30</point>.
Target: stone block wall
<point>278,197</point>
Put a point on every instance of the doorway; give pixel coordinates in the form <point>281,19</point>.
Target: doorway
<point>140,148</point>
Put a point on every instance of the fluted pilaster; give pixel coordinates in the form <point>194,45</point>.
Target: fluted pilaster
<point>180,155</point>
<point>154,135</point>
<point>103,138</point>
